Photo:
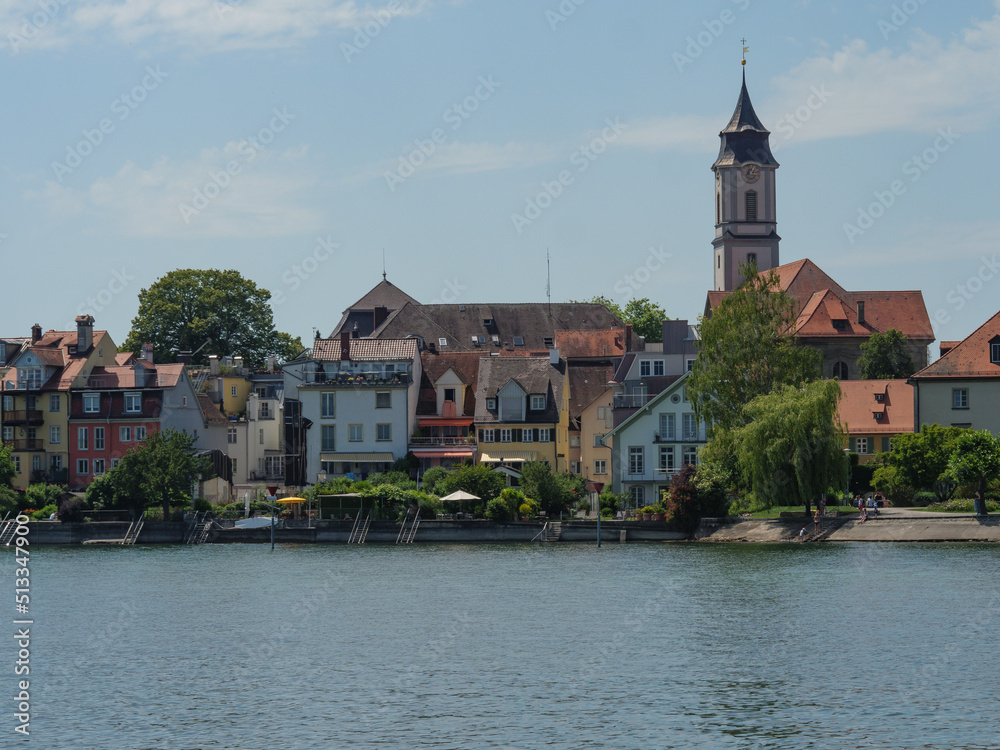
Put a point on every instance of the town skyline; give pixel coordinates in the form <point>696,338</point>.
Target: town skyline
<point>209,146</point>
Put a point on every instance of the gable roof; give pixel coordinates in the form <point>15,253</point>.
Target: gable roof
<point>651,404</point>
<point>587,383</point>
<point>532,322</point>
<point>533,375</point>
<point>362,313</point>
<point>433,365</point>
<point>210,411</point>
<point>328,350</point>
<point>968,359</point>
<point>858,405</point>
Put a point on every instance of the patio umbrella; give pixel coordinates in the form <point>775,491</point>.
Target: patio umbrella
<point>460,496</point>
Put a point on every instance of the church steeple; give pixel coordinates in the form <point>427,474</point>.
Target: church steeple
<point>745,210</point>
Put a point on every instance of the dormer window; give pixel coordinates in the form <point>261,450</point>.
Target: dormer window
<point>519,341</point>
<point>878,415</point>
<point>538,403</point>
<point>548,342</point>
<point>840,325</point>
<point>491,404</point>
<point>133,402</point>
<point>496,339</point>
<point>995,351</point>
<point>880,398</point>
<point>487,322</point>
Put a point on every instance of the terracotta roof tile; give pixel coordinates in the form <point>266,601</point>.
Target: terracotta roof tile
<point>328,350</point>
<point>970,358</point>
<point>210,410</point>
<point>590,343</point>
<point>858,405</point>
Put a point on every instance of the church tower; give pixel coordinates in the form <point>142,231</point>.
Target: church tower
<point>745,213</point>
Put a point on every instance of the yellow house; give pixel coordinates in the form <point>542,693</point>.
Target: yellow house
<point>36,397</point>
<point>522,411</point>
<point>872,412</point>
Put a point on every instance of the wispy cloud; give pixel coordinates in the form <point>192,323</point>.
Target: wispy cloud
<point>266,198</point>
<point>203,25</point>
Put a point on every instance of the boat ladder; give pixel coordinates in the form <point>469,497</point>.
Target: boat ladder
<point>134,529</point>
<point>360,531</point>
<point>198,533</point>
<point>406,534</point>
<point>8,526</point>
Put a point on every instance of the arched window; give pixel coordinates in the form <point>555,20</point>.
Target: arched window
<point>751,197</point>
<point>840,371</point>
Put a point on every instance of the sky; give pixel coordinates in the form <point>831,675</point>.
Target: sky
<point>300,142</point>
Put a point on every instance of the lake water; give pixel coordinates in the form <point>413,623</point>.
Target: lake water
<point>558,646</point>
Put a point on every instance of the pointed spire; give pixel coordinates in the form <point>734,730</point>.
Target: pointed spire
<point>744,139</point>
<point>744,118</point>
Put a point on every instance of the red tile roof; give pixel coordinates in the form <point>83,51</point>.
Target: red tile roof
<point>858,407</point>
<point>592,343</point>
<point>970,358</point>
<point>328,350</point>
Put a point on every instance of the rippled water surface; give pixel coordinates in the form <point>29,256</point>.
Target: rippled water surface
<point>559,646</point>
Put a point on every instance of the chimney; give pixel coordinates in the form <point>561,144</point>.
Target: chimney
<point>553,356</point>
<point>183,358</point>
<point>381,313</point>
<point>139,372</point>
<point>147,353</point>
<point>272,362</point>
<point>345,346</point>
<point>213,364</point>
<point>238,364</point>
<point>84,333</point>
<point>861,312</point>
<point>36,333</point>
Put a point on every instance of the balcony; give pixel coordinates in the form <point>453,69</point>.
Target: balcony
<point>360,380</point>
<point>25,444</point>
<point>442,442</point>
<point>30,417</point>
<point>28,385</point>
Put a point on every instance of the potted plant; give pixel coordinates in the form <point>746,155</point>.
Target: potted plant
<point>659,513</point>
<point>525,511</point>
<point>647,513</point>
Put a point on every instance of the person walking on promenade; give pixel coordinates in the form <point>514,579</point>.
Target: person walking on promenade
<point>817,520</point>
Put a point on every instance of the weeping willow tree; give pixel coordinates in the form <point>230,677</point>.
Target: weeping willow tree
<point>791,451</point>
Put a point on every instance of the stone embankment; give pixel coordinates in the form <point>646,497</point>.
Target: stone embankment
<point>890,526</point>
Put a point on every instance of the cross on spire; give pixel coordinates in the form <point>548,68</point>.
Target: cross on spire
<point>745,50</point>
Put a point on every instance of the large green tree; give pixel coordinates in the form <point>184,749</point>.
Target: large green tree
<point>922,457</point>
<point>555,493</point>
<point>476,479</point>
<point>208,312</point>
<point>8,497</point>
<point>747,350</point>
<point>976,458</point>
<point>885,357</point>
<point>161,472</point>
<point>645,317</point>
<point>791,450</point>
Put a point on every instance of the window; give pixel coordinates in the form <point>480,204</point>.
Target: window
<point>752,259</point>
<point>31,403</point>
<point>449,394</point>
<point>260,439</point>
<point>98,439</point>
<point>91,403</point>
<point>54,403</point>
<point>666,458</point>
<point>751,199</point>
<point>231,436</point>
<point>55,435</point>
<point>600,466</point>
<point>636,460</point>
<point>690,425</point>
<point>140,434</point>
<point>548,342</point>
<point>598,440</point>
<point>995,352</point>
<point>505,435</point>
<point>82,467</point>
<point>689,456</point>
<point>328,438</point>
<point>960,398</point>
<point>880,398</point>
<point>840,371</point>
<point>491,404</point>
<point>30,378</point>
<point>329,405</point>
<point>82,438</point>
<point>265,410</point>
<point>574,441</point>
<point>383,400</point>
<point>658,367</point>
<point>233,460</point>
<point>383,432</point>
<point>99,466</point>
<point>8,403</point>
<point>232,391</point>
<point>862,445</point>
<point>690,365</point>
<point>8,433</point>
<point>125,434</point>
<point>667,423</point>
<point>538,403</point>
<point>55,462</point>
<point>36,463</point>
<point>442,341</point>
<point>355,433</point>
<point>16,460</point>
<point>487,436</point>
<point>638,496</point>
<point>545,435</point>
<point>519,341</point>
<point>645,368</point>
<point>133,402</point>
<point>528,436</point>
<point>114,463</point>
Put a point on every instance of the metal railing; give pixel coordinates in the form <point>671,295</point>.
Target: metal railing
<point>469,440</point>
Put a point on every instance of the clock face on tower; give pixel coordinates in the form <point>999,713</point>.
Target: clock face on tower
<point>751,173</point>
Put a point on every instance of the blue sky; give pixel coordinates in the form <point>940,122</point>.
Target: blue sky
<point>296,141</point>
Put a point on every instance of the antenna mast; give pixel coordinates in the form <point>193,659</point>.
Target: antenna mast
<point>548,280</point>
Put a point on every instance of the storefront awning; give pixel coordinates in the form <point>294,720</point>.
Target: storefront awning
<point>375,458</point>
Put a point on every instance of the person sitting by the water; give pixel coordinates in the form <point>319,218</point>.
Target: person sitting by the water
<point>864,513</point>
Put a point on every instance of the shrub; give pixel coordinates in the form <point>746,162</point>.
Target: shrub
<point>201,505</point>
<point>923,499</point>
<point>889,481</point>
<point>961,505</point>
<point>44,513</point>
<point>428,505</point>
<point>525,510</point>
<point>498,510</point>
<point>682,500</point>
<point>71,510</point>
<point>432,478</point>
<point>610,502</point>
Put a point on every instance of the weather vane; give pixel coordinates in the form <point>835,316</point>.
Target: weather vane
<point>745,50</point>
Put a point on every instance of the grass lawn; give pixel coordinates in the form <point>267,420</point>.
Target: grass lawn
<point>776,511</point>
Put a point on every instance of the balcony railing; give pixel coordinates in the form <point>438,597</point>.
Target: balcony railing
<point>361,380</point>
<point>631,400</point>
<point>29,385</point>
<point>443,441</point>
<point>25,444</point>
<point>23,416</point>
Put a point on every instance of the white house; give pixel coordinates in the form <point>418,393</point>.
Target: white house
<point>654,442</point>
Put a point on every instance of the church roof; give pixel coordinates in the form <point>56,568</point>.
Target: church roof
<point>744,139</point>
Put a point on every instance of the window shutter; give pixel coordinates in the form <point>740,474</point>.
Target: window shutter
<point>854,445</point>
<point>517,436</point>
<point>480,435</point>
<point>885,445</point>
